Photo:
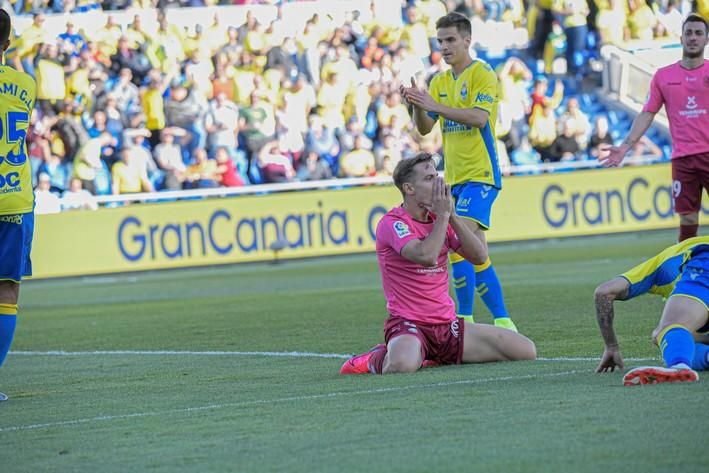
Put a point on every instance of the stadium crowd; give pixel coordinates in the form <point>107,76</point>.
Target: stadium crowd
<point>131,108</point>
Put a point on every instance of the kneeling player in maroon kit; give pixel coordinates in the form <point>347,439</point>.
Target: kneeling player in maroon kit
<point>413,242</point>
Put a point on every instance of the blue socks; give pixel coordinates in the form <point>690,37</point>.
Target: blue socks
<point>700,362</point>
<point>464,284</point>
<point>7,331</point>
<point>489,289</point>
<point>467,278</point>
<point>677,345</point>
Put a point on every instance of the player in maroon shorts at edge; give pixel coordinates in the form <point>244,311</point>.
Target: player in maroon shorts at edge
<point>683,88</point>
<point>413,242</point>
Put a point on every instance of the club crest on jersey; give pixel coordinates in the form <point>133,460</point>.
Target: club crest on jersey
<point>401,229</point>
<point>464,90</point>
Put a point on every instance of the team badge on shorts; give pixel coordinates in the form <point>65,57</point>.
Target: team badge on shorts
<point>454,328</point>
<point>401,229</point>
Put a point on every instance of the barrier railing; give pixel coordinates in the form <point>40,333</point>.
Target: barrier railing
<point>108,200</point>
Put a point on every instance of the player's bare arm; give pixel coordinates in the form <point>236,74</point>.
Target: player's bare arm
<point>425,252</point>
<point>605,295</point>
<point>611,156</point>
<point>472,247</point>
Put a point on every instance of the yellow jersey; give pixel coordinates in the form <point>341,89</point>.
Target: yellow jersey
<point>18,93</point>
<point>659,274</point>
<point>470,153</point>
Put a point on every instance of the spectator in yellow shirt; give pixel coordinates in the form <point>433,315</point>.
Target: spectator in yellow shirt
<point>154,106</point>
<point>128,177</point>
<point>28,44</point>
<point>331,100</point>
<point>359,162</point>
<point>202,172</point>
<point>542,131</point>
<point>641,20</point>
<point>51,85</point>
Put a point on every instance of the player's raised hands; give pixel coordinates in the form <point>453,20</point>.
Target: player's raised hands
<point>419,97</point>
<point>612,156</point>
<point>610,360</point>
<point>406,91</point>
<point>441,199</point>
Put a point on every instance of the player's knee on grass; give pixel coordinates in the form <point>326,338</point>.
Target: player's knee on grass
<point>525,349</point>
<point>403,355</point>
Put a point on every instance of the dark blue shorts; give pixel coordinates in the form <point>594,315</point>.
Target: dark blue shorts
<point>15,246</point>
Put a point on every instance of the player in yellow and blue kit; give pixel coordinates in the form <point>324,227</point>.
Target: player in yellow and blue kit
<point>464,100</point>
<point>681,274</point>
<point>18,92</point>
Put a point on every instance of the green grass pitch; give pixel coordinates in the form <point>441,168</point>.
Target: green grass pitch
<point>119,398</point>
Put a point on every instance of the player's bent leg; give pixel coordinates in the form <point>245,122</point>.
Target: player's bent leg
<point>368,362</point>
<point>404,355</point>
<point>681,317</point>
<point>700,361</point>
<point>681,312</point>
<point>487,343</point>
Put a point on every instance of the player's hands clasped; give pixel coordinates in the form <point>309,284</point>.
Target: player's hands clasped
<point>417,96</point>
<point>441,199</point>
<point>610,360</point>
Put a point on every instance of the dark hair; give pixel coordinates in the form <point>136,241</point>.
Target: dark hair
<point>5,25</point>
<point>696,18</point>
<point>404,171</point>
<point>461,23</point>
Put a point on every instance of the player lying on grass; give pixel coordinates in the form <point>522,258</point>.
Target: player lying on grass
<point>681,273</point>
<point>413,242</point>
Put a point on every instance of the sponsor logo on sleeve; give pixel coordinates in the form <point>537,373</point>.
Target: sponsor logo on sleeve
<point>401,229</point>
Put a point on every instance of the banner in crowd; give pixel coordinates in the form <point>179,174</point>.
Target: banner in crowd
<point>319,223</point>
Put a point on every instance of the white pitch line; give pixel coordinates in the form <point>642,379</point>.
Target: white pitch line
<point>210,407</point>
<point>284,354</point>
<point>287,354</point>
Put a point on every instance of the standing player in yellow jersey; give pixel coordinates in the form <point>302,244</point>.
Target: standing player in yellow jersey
<point>17,98</point>
<point>464,101</point>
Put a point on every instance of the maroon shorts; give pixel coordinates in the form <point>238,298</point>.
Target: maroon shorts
<point>690,176</point>
<point>439,342</point>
